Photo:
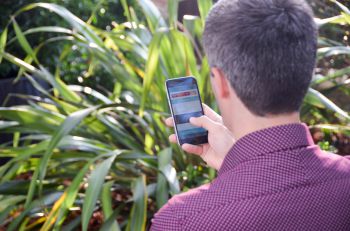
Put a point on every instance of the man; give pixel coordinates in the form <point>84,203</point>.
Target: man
<point>262,55</point>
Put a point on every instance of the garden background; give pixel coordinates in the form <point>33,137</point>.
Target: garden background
<point>83,145</point>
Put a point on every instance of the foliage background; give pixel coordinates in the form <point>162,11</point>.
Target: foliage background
<point>92,150</point>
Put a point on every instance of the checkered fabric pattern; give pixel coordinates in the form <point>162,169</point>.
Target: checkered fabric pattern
<point>272,179</point>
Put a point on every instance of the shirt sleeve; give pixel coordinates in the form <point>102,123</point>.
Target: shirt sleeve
<point>165,219</point>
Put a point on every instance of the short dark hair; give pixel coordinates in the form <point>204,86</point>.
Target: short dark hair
<point>267,50</point>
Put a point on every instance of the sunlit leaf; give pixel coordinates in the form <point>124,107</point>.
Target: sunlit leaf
<point>172,12</point>
<point>151,66</point>
<point>204,7</point>
<point>342,7</point>
<point>331,76</point>
<point>331,51</point>
<point>319,100</point>
<point>69,17</point>
<point>154,18</point>
<point>23,41</point>
<point>340,19</point>
<point>3,39</point>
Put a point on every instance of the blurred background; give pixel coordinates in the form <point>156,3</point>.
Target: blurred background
<point>83,144</point>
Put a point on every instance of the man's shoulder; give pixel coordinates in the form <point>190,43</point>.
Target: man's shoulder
<point>181,207</point>
<point>181,203</point>
<point>170,216</point>
<point>250,181</point>
<point>328,166</point>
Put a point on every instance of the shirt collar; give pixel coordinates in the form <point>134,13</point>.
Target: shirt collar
<point>268,140</point>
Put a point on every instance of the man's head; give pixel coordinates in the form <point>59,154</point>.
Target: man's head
<point>265,49</point>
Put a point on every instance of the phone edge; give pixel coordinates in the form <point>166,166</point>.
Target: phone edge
<point>171,111</point>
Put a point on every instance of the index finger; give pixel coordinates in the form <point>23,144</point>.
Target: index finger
<point>169,122</point>
<point>204,122</point>
<point>211,113</point>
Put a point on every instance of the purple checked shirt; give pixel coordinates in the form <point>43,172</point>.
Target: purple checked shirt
<point>272,179</point>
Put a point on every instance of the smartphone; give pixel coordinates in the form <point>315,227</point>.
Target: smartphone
<point>185,102</point>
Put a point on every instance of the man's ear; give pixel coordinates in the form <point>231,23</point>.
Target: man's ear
<point>221,83</point>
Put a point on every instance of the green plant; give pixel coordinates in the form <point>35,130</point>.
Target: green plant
<point>78,149</point>
<point>99,13</point>
<point>331,80</point>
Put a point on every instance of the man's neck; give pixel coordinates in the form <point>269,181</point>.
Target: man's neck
<point>243,126</point>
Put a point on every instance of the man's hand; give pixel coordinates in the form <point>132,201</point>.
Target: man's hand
<point>220,139</point>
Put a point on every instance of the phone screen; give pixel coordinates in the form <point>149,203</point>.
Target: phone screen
<point>185,103</point>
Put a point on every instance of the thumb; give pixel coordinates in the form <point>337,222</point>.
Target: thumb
<point>203,122</point>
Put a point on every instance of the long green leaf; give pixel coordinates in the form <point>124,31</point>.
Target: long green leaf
<point>331,51</point>
<point>92,92</point>
<point>317,99</point>
<point>32,118</point>
<point>333,128</point>
<point>153,16</point>
<point>166,180</point>
<point>107,205</point>
<point>137,219</point>
<point>95,183</point>
<point>3,39</point>
<point>204,7</point>
<point>126,10</point>
<point>77,23</point>
<point>340,19</point>
<point>7,124</point>
<point>166,168</point>
<point>67,200</point>
<point>342,7</point>
<point>23,41</point>
<point>64,90</point>
<point>40,73</point>
<point>19,62</point>
<point>162,191</point>
<point>50,29</point>
<point>333,75</point>
<point>151,67</point>
<point>172,12</point>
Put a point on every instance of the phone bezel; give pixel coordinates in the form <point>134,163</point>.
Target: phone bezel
<point>170,104</point>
